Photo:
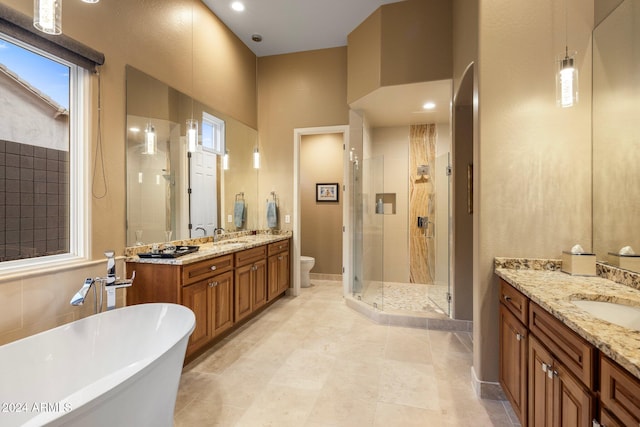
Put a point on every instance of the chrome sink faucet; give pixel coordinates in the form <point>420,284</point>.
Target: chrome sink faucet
<point>204,231</point>
<point>217,232</point>
<point>110,283</point>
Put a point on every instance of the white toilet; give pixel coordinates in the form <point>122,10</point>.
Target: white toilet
<point>306,264</point>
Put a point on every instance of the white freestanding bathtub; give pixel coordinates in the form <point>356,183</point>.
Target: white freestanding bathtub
<point>117,368</point>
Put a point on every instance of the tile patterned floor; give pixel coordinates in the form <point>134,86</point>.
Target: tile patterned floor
<point>312,361</point>
<point>395,297</point>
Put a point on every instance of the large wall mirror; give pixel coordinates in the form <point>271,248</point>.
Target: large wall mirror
<point>174,194</point>
<point>616,135</point>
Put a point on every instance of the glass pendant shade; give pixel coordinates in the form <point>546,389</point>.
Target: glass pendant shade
<point>150,139</point>
<point>566,81</point>
<point>225,160</point>
<point>256,159</point>
<point>192,135</point>
<point>47,16</point>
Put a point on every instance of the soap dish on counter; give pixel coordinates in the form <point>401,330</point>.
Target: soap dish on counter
<point>180,251</point>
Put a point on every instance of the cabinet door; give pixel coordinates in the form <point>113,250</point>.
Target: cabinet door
<point>540,405</point>
<point>242,286</point>
<point>197,298</point>
<point>222,316</point>
<point>283,272</point>
<point>259,284</point>
<point>273,277</point>
<point>608,420</point>
<point>619,392</point>
<point>573,404</point>
<point>513,361</point>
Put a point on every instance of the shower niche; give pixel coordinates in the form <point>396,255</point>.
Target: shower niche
<point>386,203</point>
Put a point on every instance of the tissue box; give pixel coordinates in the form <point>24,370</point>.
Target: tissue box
<point>628,262</point>
<point>579,264</point>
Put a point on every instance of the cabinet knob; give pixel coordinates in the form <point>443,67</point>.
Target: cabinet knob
<point>213,268</point>
<point>280,257</point>
<point>507,298</point>
<point>545,367</point>
<point>519,336</point>
<point>213,284</point>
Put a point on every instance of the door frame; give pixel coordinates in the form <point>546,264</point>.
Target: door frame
<point>298,133</point>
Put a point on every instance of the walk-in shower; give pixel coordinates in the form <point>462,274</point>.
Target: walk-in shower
<point>400,222</point>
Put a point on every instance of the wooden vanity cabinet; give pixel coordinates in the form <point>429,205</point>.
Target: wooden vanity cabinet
<point>208,292</point>
<point>561,373</point>
<point>220,291</point>
<point>250,281</point>
<point>619,395</point>
<point>513,349</point>
<point>556,397</point>
<point>547,371</point>
<point>279,269</point>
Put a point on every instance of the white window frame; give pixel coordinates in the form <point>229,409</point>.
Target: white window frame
<point>219,141</point>
<point>79,137</point>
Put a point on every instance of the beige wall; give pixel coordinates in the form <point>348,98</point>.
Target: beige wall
<point>364,49</point>
<point>297,90</point>
<point>321,223</point>
<point>416,42</point>
<point>154,37</point>
<point>400,43</point>
<point>533,159</point>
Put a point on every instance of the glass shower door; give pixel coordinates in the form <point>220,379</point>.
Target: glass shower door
<point>368,259</point>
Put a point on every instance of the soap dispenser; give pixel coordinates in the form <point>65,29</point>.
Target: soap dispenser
<point>379,206</point>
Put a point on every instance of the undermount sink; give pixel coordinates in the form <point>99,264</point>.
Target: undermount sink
<point>627,316</point>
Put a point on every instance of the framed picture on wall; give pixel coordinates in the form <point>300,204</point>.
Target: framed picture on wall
<point>327,192</point>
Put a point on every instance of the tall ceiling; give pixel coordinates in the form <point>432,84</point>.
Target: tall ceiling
<point>294,25</point>
<point>288,26</point>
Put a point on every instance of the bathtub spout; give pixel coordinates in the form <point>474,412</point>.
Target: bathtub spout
<point>78,298</point>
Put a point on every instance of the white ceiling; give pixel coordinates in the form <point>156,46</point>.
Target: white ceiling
<point>288,26</point>
<point>294,25</point>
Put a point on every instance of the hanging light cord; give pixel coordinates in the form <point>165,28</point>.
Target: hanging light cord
<point>192,63</point>
<point>566,28</point>
<point>99,153</point>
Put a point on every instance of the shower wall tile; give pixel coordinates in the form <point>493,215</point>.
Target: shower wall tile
<point>422,142</point>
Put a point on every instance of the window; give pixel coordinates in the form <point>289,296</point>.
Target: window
<point>42,214</point>
<point>212,134</point>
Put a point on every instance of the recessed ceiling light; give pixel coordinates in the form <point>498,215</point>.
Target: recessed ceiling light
<point>237,6</point>
<point>429,106</point>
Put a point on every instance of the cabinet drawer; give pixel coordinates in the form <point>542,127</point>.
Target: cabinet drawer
<point>517,303</point>
<point>619,392</point>
<point>201,270</point>
<point>570,349</point>
<point>277,247</point>
<point>250,255</point>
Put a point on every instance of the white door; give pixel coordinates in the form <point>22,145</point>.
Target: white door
<point>204,197</point>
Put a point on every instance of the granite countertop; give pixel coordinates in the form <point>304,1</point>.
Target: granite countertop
<point>553,290</point>
<point>208,249</point>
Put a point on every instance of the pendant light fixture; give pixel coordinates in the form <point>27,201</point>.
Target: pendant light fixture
<point>256,158</point>
<point>192,124</point>
<point>192,134</point>
<point>225,160</point>
<point>150,139</point>
<point>47,16</point>
<point>567,73</point>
